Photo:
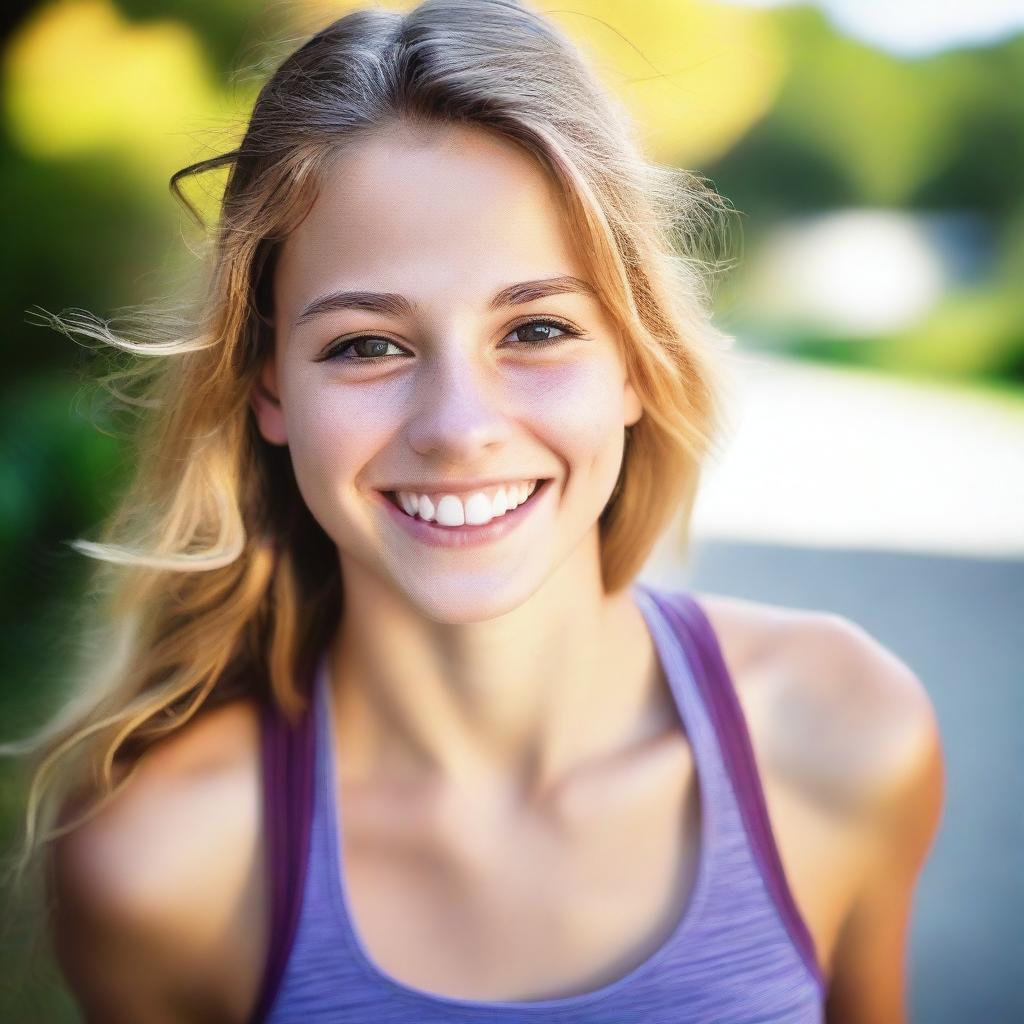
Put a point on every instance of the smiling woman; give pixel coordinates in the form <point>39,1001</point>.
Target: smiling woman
<point>454,377</point>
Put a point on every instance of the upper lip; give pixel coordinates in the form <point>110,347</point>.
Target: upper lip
<point>453,486</point>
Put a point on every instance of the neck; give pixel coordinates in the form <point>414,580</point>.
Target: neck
<point>512,703</point>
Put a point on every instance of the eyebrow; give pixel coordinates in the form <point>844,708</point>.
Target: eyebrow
<point>393,304</point>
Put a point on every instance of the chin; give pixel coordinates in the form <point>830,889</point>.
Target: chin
<point>464,598</point>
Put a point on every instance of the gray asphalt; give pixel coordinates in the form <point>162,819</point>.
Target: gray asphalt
<point>959,624</point>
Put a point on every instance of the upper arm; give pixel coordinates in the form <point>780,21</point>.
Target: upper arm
<point>156,914</point>
<point>903,810</point>
<point>114,945</point>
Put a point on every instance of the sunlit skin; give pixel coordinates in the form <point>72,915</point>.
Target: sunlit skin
<point>473,664</point>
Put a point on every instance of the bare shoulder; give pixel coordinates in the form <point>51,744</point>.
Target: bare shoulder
<point>840,716</point>
<point>156,895</point>
<point>847,728</point>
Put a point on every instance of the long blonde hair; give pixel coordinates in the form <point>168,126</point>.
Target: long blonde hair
<point>212,578</point>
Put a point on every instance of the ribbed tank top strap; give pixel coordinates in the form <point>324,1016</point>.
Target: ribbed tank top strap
<point>287,768</point>
<point>704,654</point>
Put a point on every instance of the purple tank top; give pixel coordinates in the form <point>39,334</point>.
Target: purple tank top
<point>740,954</point>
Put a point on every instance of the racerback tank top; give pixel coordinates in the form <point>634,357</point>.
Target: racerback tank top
<point>740,953</point>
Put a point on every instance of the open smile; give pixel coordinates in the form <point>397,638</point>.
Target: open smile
<point>467,535</point>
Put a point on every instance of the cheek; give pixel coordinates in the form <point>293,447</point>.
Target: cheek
<point>333,433</point>
<point>578,410</point>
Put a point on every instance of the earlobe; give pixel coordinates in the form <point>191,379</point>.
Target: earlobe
<point>633,406</point>
<point>266,405</point>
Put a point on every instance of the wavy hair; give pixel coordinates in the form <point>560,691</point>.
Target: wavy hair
<point>212,579</point>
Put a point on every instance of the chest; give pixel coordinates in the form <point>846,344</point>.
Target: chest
<point>536,905</point>
<point>540,907</point>
<point>476,903</point>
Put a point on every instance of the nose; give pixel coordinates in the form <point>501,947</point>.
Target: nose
<point>461,411</point>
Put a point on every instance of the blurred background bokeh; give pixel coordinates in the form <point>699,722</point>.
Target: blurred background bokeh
<point>874,153</point>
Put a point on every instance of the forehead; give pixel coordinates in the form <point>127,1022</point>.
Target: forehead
<point>427,210</point>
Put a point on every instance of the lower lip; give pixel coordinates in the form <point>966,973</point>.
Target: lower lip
<point>466,536</point>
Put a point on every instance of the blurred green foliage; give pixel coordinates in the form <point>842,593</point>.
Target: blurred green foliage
<point>93,227</point>
<point>856,127</point>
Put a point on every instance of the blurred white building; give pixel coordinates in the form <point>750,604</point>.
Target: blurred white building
<point>862,272</point>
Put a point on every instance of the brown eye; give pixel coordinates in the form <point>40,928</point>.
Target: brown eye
<point>538,333</point>
<point>367,348</point>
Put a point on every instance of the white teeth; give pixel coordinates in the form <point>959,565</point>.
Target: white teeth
<point>450,511</point>
<point>477,509</point>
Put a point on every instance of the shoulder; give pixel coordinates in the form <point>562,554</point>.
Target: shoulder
<point>151,890</point>
<point>840,716</point>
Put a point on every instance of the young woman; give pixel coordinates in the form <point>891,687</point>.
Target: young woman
<point>380,725</point>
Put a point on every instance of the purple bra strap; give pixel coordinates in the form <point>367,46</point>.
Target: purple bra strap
<point>287,777</point>
<point>712,675</point>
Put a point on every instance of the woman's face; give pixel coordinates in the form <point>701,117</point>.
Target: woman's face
<point>460,391</point>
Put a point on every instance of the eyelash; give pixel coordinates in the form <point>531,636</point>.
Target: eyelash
<point>570,332</point>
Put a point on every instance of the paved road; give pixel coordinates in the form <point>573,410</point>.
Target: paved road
<point>849,458</point>
<point>959,623</point>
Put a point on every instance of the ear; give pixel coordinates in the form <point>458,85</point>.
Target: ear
<point>633,406</point>
<point>266,404</point>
